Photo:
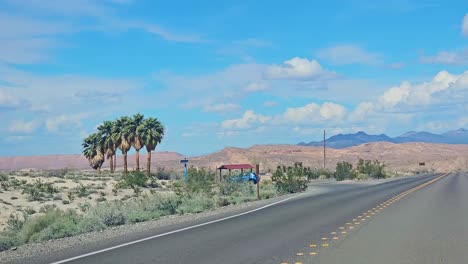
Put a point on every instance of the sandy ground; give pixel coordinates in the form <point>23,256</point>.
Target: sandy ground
<point>100,187</point>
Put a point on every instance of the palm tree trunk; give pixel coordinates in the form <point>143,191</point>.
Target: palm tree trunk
<point>99,170</point>
<point>111,161</point>
<point>148,164</point>
<point>115,161</point>
<point>137,160</point>
<point>125,163</point>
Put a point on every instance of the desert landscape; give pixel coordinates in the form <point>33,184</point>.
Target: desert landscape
<point>397,157</point>
<point>67,182</point>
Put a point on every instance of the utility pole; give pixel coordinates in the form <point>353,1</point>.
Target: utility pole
<point>324,153</point>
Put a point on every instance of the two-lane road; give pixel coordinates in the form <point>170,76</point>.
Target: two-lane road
<point>277,234</point>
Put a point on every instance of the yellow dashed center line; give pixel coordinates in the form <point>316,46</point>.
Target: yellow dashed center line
<point>313,253</point>
<point>299,254</point>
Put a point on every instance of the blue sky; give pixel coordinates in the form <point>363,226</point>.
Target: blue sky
<point>229,73</point>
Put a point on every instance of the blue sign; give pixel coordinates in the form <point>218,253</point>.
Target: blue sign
<point>185,161</point>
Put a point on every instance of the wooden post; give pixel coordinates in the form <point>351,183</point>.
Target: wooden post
<point>257,171</point>
<point>324,155</point>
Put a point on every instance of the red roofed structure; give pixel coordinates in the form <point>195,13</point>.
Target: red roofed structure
<point>236,167</point>
<point>230,167</point>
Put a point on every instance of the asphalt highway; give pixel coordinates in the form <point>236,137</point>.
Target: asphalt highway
<point>411,220</point>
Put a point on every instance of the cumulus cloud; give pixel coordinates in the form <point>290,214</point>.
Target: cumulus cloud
<point>222,108</point>
<point>7,100</point>
<point>349,54</point>
<point>55,124</point>
<point>424,94</point>
<point>465,25</point>
<point>23,126</point>
<point>447,57</point>
<point>298,69</point>
<point>256,86</point>
<point>313,112</point>
<point>361,111</point>
<point>248,120</point>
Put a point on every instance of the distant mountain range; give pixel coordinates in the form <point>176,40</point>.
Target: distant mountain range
<point>340,141</point>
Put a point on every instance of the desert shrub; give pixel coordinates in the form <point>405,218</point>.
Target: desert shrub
<point>47,208</point>
<point>229,187</point>
<point>29,211</point>
<point>362,177</point>
<point>133,179</point>
<point>8,240</point>
<point>109,213</point>
<point>344,170</point>
<point>38,190</point>
<point>81,190</point>
<point>3,177</point>
<point>161,174</point>
<point>267,190</point>
<point>373,169</point>
<point>91,223</point>
<point>200,181</point>
<point>53,224</point>
<point>195,203</point>
<point>5,185</point>
<point>290,179</point>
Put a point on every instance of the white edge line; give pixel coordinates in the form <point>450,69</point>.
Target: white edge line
<point>173,232</point>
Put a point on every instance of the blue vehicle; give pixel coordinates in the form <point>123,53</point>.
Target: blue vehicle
<point>245,177</point>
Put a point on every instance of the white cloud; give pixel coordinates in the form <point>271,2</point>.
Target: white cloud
<point>395,95</point>
<point>349,54</point>
<point>248,120</point>
<point>361,111</point>
<point>256,86</point>
<point>465,25</point>
<point>222,108</point>
<point>313,112</point>
<point>7,100</point>
<point>23,126</point>
<point>55,124</point>
<point>447,57</point>
<point>298,69</point>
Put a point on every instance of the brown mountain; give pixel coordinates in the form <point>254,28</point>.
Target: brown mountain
<point>406,156</point>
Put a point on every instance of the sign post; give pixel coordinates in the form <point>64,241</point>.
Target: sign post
<point>257,171</point>
<point>185,161</point>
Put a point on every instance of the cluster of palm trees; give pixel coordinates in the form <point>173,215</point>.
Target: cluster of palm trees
<point>123,133</point>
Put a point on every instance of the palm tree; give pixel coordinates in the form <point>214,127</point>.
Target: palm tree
<point>134,137</point>
<point>93,150</point>
<point>121,140</point>
<point>151,132</point>
<point>106,129</point>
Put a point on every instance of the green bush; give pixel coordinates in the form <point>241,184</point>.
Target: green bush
<point>3,177</point>
<point>200,181</point>
<point>110,214</point>
<point>290,179</point>
<point>344,170</point>
<point>133,179</point>
<point>362,177</point>
<point>374,169</point>
<point>267,189</point>
<point>195,203</point>
<point>53,224</point>
<point>39,190</point>
<point>161,174</point>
